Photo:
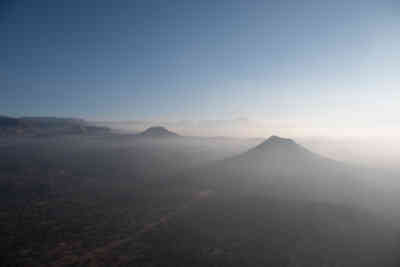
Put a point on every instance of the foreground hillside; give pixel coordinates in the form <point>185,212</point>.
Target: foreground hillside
<point>160,201</point>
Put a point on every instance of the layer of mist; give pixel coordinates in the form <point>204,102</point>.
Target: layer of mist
<point>160,198</point>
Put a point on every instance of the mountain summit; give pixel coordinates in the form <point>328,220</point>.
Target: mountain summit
<point>158,131</point>
<point>276,152</point>
<point>276,141</point>
<point>279,149</point>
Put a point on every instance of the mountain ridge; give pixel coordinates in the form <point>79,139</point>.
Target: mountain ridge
<point>46,126</point>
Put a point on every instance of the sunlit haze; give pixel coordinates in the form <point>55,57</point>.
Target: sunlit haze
<point>200,133</point>
<point>296,68</point>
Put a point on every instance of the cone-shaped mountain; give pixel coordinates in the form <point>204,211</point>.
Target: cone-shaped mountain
<point>158,131</point>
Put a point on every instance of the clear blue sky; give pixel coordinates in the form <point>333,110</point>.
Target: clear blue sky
<point>123,60</point>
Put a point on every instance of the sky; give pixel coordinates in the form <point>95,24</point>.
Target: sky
<point>313,67</point>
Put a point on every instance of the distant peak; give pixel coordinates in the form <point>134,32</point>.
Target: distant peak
<point>277,141</point>
<point>158,131</point>
<point>157,128</point>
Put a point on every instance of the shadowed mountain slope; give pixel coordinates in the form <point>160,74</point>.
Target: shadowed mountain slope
<point>278,204</point>
<point>282,168</point>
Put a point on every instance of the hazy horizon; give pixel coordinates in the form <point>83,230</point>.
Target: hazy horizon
<point>303,68</point>
<point>374,149</point>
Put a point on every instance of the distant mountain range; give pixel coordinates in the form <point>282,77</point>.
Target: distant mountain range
<point>286,168</point>
<point>47,126</point>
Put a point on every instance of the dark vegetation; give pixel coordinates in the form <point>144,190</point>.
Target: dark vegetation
<point>128,200</point>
